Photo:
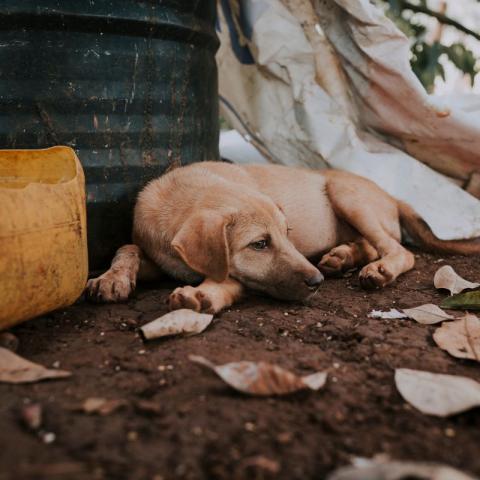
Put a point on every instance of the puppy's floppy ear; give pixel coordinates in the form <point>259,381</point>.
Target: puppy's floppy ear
<point>202,244</point>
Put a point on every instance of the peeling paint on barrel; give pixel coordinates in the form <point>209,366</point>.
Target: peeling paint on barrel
<point>132,86</point>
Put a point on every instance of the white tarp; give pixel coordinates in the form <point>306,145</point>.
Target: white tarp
<point>328,83</point>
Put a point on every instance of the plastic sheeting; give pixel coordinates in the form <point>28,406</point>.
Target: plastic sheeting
<point>328,83</point>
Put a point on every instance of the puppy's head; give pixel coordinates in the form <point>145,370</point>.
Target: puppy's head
<point>247,240</point>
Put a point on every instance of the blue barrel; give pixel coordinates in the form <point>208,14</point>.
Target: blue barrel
<point>130,85</point>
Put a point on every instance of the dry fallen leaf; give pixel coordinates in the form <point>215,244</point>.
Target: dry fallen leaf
<point>391,314</point>
<point>102,406</point>
<point>460,338</point>
<point>427,314</point>
<point>181,321</point>
<point>463,301</point>
<point>261,378</point>
<point>437,394</point>
<point>15,369</point>
<point>399,471</point>
<point>447,278</point>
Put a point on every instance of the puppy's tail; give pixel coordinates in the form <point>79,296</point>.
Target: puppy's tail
<point>422,234</point>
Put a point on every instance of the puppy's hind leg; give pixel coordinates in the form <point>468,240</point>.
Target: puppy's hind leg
<point>119,281</point>
<point>374,215</point>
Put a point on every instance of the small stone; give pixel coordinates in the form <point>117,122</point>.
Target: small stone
<point>450,432</point>
<point>197,431</point>
<point>161,368</point>
<point>131,322</point>
<point>284,437</point>
<point>31,416</point>
<point>250,427</point>
<point>48,437</point>
<point>56,364</point>
<point>132,436</point>
<point>9,341</point>
<point>142,352</point>
<point>319,324</point>
<point>149,407</point>
<point>336,365</point>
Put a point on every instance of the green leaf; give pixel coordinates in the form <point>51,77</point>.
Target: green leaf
<point>463,301</point>
<point>463,59</point>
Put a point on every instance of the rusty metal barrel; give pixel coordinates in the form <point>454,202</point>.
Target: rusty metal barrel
<point>131,86</point>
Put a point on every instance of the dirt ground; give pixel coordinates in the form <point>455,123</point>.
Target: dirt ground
<point>178,421</point>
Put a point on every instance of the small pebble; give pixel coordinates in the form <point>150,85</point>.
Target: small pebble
<point>132,436</point>
<point>48,437</point>
<point>9,341</point>
<point>56,364</point>
<point>450,432</point>
<point>284,437</point>
<point>31,416</point>
<point>250,427</point>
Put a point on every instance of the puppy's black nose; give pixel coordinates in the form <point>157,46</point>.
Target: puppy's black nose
<point>314,281</point>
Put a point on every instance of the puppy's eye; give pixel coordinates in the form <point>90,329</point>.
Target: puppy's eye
<point>260,245</point>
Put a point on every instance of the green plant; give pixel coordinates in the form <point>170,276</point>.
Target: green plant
<point>425,59</point>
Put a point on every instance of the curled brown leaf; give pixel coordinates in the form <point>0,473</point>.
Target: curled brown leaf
<point>178,322</point>
<point>446,278</point>
<point>460,338</point>
<point>261,378</point>
<point>15,369</point>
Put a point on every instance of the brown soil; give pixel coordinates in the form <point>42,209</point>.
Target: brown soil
<point>178,421</point>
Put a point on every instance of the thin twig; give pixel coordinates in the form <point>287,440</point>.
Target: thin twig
<point>442,18</point>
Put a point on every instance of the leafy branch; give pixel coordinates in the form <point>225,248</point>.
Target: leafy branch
<point>426,56</point>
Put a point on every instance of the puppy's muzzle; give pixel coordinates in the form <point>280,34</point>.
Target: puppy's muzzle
<point>314,281</point>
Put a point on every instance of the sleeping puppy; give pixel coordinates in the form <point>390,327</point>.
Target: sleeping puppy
<point>219,228</point>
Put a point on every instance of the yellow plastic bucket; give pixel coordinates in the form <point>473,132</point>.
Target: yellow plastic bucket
<point>43,236</point>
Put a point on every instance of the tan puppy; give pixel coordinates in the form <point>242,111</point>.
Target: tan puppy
<point>225,227</point>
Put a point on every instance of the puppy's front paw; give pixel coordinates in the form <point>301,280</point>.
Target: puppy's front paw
<point>336,261</point>
<point>112,286</point>
<point>191,298</point>
<point>375,275</point>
